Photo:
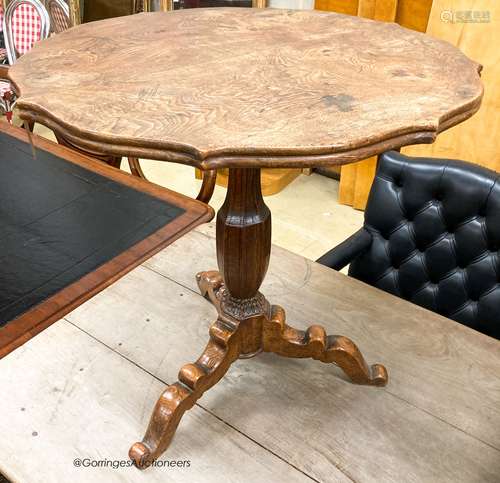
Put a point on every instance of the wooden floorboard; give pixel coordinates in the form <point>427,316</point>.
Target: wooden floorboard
<point>427,355</point>
<point>438,420</point>
<point>66,396</point>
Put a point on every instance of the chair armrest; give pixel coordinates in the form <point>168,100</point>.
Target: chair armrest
<point>343,254</point>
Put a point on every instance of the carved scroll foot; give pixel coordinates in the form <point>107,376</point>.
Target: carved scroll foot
<point>243,329</point>
<point>280,338</point>
<point>212,288</point>
<point>210,284</point>
<point>194,379</point>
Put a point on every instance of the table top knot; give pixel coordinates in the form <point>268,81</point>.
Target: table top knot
<point>232,87</point>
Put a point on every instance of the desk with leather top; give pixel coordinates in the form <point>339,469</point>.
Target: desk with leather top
<point>70,226</point>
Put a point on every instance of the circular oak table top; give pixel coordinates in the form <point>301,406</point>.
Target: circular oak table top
<point>238,87</point>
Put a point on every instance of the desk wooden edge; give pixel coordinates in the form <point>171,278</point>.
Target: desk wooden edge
<point>54,308</point>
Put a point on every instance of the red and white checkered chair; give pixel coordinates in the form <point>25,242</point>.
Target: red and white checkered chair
<point>3,51</point>
<point>59,15</point>
<point>24,23</point>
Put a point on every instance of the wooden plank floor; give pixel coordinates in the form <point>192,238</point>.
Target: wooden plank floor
<point>85,387</point>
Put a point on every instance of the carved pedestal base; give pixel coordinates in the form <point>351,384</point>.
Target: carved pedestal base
<point>244,328</point>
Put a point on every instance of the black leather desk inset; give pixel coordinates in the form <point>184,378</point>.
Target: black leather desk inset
<point>59,222</point>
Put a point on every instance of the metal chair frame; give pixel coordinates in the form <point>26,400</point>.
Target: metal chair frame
<point>10,45</point>
<point>7,103</point>
<point>63,6</point>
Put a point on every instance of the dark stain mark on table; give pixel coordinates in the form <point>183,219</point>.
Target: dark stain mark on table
<point>343,102</point>
<point>400,73</point>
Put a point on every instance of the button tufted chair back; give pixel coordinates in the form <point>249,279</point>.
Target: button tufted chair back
<point>435,229</point>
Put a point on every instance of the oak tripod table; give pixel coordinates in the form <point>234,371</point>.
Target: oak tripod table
<point>245,89</point>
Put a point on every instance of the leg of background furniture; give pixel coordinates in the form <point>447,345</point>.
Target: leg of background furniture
<point>208,186</point>
<point>280,338</point>
<point>135,168</point>
<point>194,380</point>
<point>29,125</point>
<point>114,161</point>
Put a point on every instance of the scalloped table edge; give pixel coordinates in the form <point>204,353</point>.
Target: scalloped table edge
<point>233,157</point>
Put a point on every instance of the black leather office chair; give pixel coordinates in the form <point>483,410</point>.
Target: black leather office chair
<point>431,236</point>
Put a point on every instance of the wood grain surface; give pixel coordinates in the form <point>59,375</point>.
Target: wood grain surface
<point>356,178</point>
<point>226,87</point>
<point>97,375</point>
<point>436,421</point>
<point>90,402</point>
<point>478,139</point>
<point>454,357</point>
